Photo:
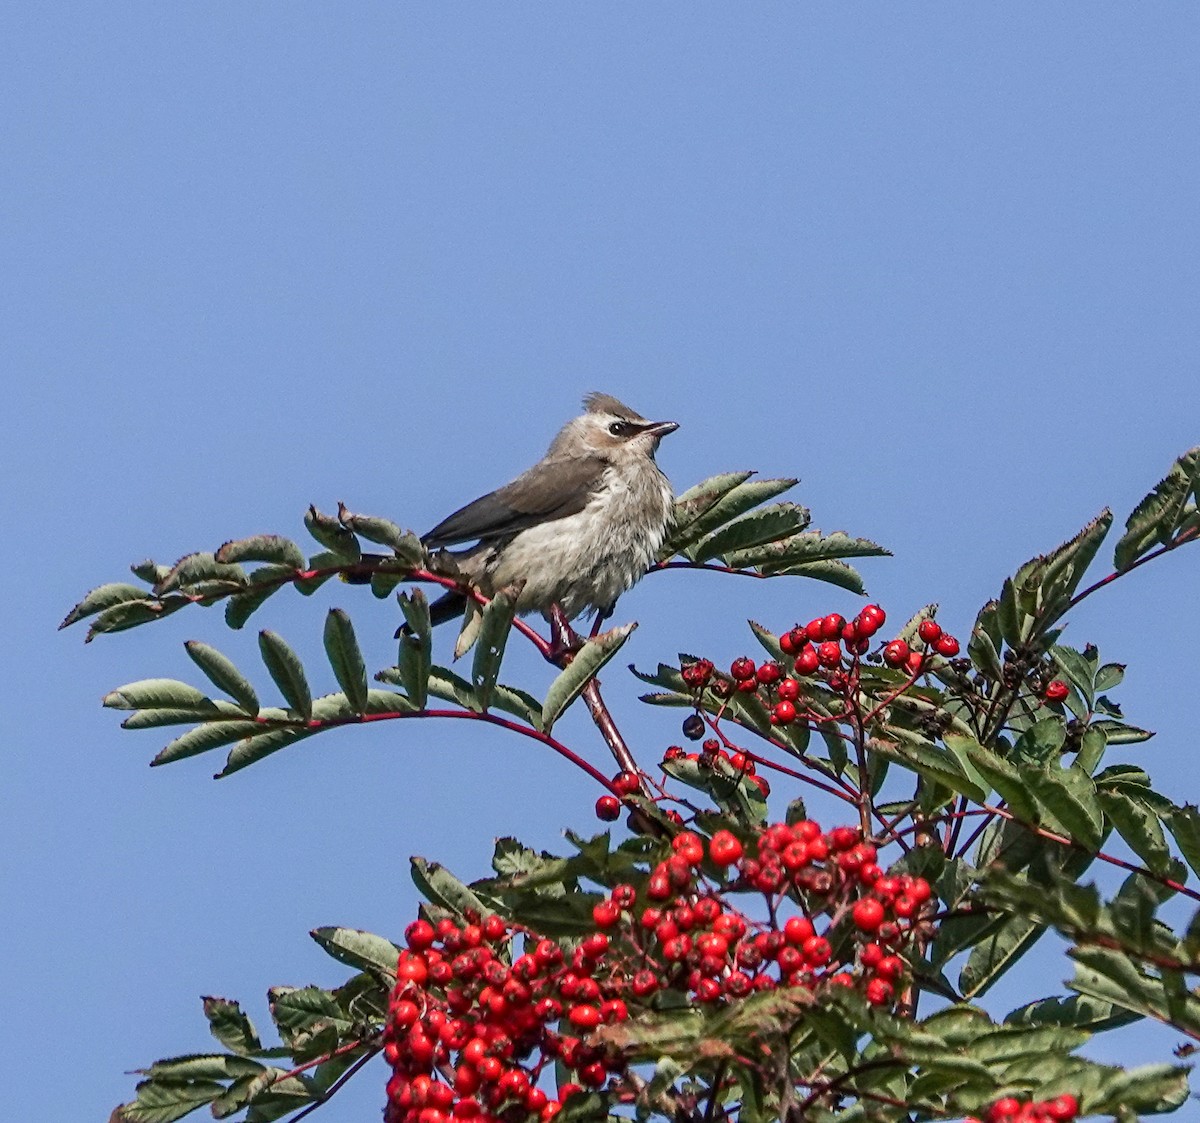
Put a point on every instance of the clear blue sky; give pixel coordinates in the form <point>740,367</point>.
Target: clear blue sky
<point>940,260</point>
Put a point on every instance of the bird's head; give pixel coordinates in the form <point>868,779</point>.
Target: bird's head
<point>612,431</point>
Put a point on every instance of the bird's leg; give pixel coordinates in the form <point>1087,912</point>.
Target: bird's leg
<point>563,638</point>
<point>602,614</point>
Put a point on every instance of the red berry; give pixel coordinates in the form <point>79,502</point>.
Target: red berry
<point>895,653</point>
<point>797,930</point>
<point>831,626</point>
<point>868,914</point>
<point>789,690</point>
<point>784,712</point>
<point>807,661</point>
<point>879,992</point>
<point>689,846</point>
<point>606,914</point>
<point>608,808</point>
<point>829,654</point>
<point>946,645</point>
<point>411,969</point>
<point>1056,691</point>
<point>787,644</point>
<point>627,783</point>
<point>420,935</point>
<point>584,1017</point>
<point>929,630</point>
<point>725,848</point>
<point>914,662</point>
<point>1064,1107</point>
<point>1004,1108</point>
<point>870,620</point>
<point>743,669</point>
<point>769,673</point>
<point>644,984</point>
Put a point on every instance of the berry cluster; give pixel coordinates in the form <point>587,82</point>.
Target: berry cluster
<point>828,646</point>
<point>474,1020</point>
<point>1062,1109</point>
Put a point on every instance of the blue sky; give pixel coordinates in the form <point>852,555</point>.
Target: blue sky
<point>940,261</point>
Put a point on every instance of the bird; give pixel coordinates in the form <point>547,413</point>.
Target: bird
<point>574,531</point>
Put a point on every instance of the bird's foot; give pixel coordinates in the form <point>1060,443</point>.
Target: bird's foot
<point>564,640</point>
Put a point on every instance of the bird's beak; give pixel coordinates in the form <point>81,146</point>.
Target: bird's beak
<point>661,428</point>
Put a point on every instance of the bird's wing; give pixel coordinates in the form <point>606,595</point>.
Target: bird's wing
<point>552,489</point>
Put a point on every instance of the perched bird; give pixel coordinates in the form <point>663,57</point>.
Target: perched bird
<point>579,528</point>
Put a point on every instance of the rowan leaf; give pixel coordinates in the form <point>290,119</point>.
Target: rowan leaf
<point>223,674</point>
<point>212,735</point>
<point>1156,518</point>
<point>285,668</point>
<point>271,548</point>
<point>106,596</point>
<point>585,665</point>
<point>346,658</point>
<point>332,535</point>
<point>495,625</point>
<point>363,950</point>
<point>231,1027</point>
<point>253,749</point>
<point>158,694</point>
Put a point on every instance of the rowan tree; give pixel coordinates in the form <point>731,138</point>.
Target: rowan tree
<point>729,951</point>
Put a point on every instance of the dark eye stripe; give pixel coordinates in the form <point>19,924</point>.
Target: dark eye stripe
<point>621,428</point>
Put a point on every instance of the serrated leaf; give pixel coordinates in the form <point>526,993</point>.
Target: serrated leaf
<point>253,749</point>
<point>1068,800</point>
<point>163,1101</point>
<point>831,572</point>
<point>926,759</point>
<point>743,497</point>
<point>158,694</point>
<point>416,646</point>
<point>1155,519</point>
<point>768,524</point>
<point>230,1026</point>
<point>404,544</point>
<point>495,625</point>
<point>1112,977</point>
<point>996,953</point>
<point>106,596</point>
<point>1139,826</point>
<point>241,606</point>
<point>132,614</point>
<point>271,548</point>
<point>1121,733</point>
<point>218,710</point>
<point>285,668</point>
<point>586,664</point>
<point>1184,825</point>
<point>808,548</point>
<point>439,886</point>
<point>332,535</point>
<point>210,736</point>
<point>346,658</point>
<point>223,674</point>
<point>695,502</point>
<point>360,949</point>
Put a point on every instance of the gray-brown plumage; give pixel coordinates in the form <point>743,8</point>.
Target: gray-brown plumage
<point>579,528</point>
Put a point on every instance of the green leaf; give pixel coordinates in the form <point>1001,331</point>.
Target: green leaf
<point>1002,776</point>
<point>768,524</point>
<point>210,736</point>
<point>695,502</point>
<point>494,628</point>
<point>1156,518</point>
<point>1184,825</point>
<point>253,749</point>
<point>831,572</point>
<point>363,950</point>
<point>241,606</point>
<point>214,711</point>
<point>1069,801</point>
<point>106,596</point>
<point>472,621</point>
<point>158,694</point>
<point>1139,826</point>
<point>736,501</point>
<point>1076,1012</point>
<point>332,535</point>
<point>586,664</point>
<point>223,674</point>
<point>163,1101</point>
<point>444,683</point>
<point>807,548</point>
<point>404,544</point>
<point>132,614</point>
<point>1112,977</point>
<point>926,759</point>
<point>271,548</point>
<point>231,1027</point>
<point>346,658</point>
<point>285,668</point>
<point>439,886</point>
<point>416,647</point>
<point>1119,733</point>
<point>996,953</point>
<point>198,568</point>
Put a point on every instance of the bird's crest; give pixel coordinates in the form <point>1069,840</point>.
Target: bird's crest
<point>606,403</point>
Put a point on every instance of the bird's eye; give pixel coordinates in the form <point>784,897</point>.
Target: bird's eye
<point>620,428</point>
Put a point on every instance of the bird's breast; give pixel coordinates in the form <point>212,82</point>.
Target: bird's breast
<point>587,560</point>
